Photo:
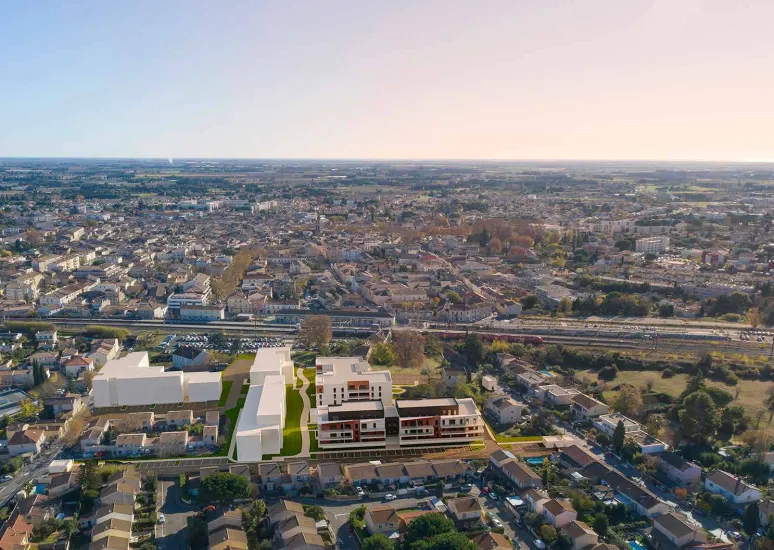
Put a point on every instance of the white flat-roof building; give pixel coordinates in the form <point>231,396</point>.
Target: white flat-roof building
<point>262,420</point>
<point>342,379</point>
<point>131,380</point>
<point>272,362</point>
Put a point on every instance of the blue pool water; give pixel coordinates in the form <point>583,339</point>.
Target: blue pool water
<point>535,460</point>
<point>634,545</point>
<point>547,373</point>
<point>40,489</point>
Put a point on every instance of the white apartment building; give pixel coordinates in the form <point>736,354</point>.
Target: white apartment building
<point>24,287</point>
<point>608,422</point>
<point>652,245</point>
<point>262,420</point>
<point>442,420</point>
<point>202,313</point>
<point>272,362</point>
<point>175,301</point>
<point>131,380</point>
<point>342,379</point>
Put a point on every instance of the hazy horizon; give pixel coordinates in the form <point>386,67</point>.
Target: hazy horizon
<point>502,81</point>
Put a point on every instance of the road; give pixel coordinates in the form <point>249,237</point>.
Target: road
<point>29,472</point>
<point>171,535</point>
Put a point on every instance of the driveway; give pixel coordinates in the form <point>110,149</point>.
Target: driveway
<point>171,535</point>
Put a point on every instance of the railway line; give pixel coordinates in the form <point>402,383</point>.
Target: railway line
<point>547,336</point>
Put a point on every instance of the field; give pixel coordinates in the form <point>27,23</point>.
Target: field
<point>751,396</point>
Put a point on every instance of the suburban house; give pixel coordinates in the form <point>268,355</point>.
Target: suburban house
<point>521,474</point>
<point>503,409</point>
<point>586,407</point>
<point>329,474</point>
<point>26,441</point>
<point>581,534</point>
<point>673,530</point>
<point>187,356</point>
<point>382,519</point>
<point>679,470</point>
<point>733,488</point>
<point>559,512</point>
<point>465,510</point>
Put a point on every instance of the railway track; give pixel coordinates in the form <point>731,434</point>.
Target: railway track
<point>289,332</point>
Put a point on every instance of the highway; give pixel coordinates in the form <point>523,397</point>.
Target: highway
<point>580,334</point>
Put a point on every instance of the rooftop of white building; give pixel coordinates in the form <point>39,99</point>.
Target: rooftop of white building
<point>339,370</point>
<point>262,405</point>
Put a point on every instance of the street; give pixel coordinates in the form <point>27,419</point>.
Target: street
<point>171,535</point>
<point>29,472</point>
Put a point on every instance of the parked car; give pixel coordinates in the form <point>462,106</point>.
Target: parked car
<point>162,519</point>
<point>6,478</point>
<point>388,497</point>
<point>466,488</point>
<point>360,491</point>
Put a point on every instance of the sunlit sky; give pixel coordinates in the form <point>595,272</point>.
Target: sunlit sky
<point>510,79</point>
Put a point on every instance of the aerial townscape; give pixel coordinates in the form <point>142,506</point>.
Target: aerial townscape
<point>386,355</point>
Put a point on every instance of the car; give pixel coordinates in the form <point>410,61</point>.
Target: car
<point>465,488</point>
<point>6,478</point>
<point>209,508</point>
<point>162,519</point>
<point>360,491</point>
<point>485,490</point>
<point>493,496</point>
<point>388,497</point>
<point>497,523</point>
<point>539,544</point>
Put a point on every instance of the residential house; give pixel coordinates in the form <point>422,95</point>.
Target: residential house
<point>283,510</point>
<point>229,518</point>
<point>500,457</point>
<point>576,458</point>
<point>299,473</point>
<point>111,528</point>
<point>766,509</point>
<point>210,436</point>
<point>178,419</point>
<point>77,365</point>
<point>329,474</point>
<point>559,512</point>
<point>672,531</point>
<point>26,441</point>
<point>503,409</point>
<point>582,535</point>
<point>187,356</point>
<point>117,494</point>
<point>465,510</point>
<point>172,443</point>
<point>140,421</point>
<point>419,472</point>
<point>382,519</point>
<point>270,475</point>
<point>107,512</point>
<point>130,444</point>
<point>679,470</point>
<point>361,474</point>
<point>733,488</point>
<point>521,475</point>
<point>228,538</point>
<point>294,525</point>
<point>104,350</point>
<point>492,541</point>
<point>588,408</point>
<point>62,483</point>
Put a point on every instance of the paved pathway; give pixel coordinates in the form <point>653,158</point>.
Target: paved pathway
<point>304,424</point>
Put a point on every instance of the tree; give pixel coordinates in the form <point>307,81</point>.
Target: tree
<point>547,533</point>
<point>218,340</point>
<point>751,519</point>
<point>378,542</point>
<point>88,476</point>
<point>628,401</point>
<point>473,349</point>
<point>316,331</point>
<point>381,354</point>
<point>699,417</point>
<point>619,436</point>
<point>529,301</point>
<point>29,408</point>
<point>223,487</point>
<point>314,512</point>
<point>600,524</point>
<point>445,541</point>
<point>454,297</point>
<point>754,317</point>
<point>409,348</point>
<point>565,306</point>
<point>428,526</point>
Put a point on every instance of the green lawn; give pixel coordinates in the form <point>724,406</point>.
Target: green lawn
<point>232,415</point>
<point>291,444</point>
<point>513,439</point>
<point>245,389</point>
<point>304,358</point>
<point>224,393</point>
<point>311,375</point>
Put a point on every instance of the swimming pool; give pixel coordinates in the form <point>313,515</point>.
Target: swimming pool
<point>535,460</point>
<point>634,545</point>
<point>547,373</point>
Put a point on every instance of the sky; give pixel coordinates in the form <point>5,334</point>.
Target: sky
<point>476,79</point>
